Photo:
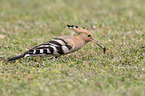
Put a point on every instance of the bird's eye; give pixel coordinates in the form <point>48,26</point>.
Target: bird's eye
<point>89,35</point>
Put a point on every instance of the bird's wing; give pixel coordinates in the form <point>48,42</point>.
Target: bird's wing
<point>53,42</point>
<point>56,47</point>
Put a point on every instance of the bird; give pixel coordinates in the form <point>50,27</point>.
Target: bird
<point>63,44</point>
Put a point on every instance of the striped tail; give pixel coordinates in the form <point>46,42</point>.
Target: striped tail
<point>17,57</point>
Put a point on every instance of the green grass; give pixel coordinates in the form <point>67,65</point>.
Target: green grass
<point>118,23</point>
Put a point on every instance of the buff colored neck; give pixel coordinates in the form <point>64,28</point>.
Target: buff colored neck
<point>79,42</point>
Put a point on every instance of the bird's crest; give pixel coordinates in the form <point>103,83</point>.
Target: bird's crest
<point>78,29</point>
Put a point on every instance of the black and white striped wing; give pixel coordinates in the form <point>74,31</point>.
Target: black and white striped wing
<point>55,47</point>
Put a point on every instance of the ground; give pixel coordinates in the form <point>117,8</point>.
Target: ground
<point>120,24</point>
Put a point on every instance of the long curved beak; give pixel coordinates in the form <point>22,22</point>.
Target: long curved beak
<point>104,48</point>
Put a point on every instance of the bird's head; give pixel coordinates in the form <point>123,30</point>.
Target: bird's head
<point>87,35</point>
<point>83,32</point>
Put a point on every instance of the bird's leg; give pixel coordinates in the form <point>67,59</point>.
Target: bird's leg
<point>58,58</point>
<point>27,59</point>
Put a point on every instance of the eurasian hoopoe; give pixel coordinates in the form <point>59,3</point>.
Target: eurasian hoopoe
<point>62,45</point>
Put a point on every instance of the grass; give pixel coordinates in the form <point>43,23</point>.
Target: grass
<point>118,23</point>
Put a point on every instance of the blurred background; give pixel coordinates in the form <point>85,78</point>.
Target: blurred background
<point>120,24</point>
